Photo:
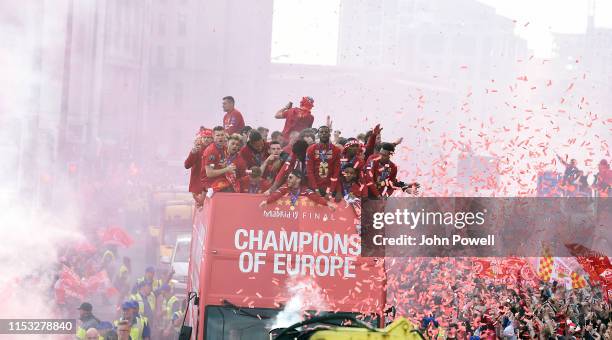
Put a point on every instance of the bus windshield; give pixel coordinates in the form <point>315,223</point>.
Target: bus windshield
<point>231,323</point>
<point>181,254</point>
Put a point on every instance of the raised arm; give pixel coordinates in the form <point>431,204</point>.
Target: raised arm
<point>562,160</point>
<point>191,159</point>
<point>371,142</point>
<point>280,114</point>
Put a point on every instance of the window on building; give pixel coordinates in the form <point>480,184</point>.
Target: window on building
<point>305,32</point>
<point>178,95</point>
<point>182,25</point>
<point>180,58</point>
<point>160,56</point>
<point>161,25</point>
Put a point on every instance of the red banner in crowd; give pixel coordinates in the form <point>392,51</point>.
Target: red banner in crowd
<point>597,265</point>
<point>70,284</point>
<point>96,282</point>
<point>116,236</point>
<point>505,270</point>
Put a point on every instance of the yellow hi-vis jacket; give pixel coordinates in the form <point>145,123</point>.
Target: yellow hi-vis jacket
<point>151,299</point>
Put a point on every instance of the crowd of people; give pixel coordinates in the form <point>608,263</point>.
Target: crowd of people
<point>298,161</point>
<point>148,309</point>
<point>91,273</point>
<point>575,182</point>
<point>448,300</point>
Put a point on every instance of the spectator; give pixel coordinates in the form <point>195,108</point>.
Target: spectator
<point>123,330</point>
<point>570,175</point>
<point>92,334</point>
<point>131,325</point>
<point>87,320</point>
<point>170,304</point>
<point>603,179</point>
<point>149,277</point>
<point>104,328</point>
<point>232,121</point>
<point>296,119</point>
<point>122,279</point>
<point>146,301</point>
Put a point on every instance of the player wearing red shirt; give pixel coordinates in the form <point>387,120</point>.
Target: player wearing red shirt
<point>349,186</point>
<point>352,156</point>
<point>294,190</point>
<point>351,190</point>
<point>254,183</point>
<point>232,121</point>
<point>323,163</point>
<point>233,157</point>
<point>374,141</point>
<point>194,162</point>
<point>296,161</point>
<point>296,119</point>
<point>294,136</point>
<point>214,165</point>
<point>273,163</point>
<point>380,175</point>
<point>255,151</point>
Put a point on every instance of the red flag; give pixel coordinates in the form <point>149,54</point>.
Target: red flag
<point>117,236</point>
<point>96,282</point>
<point>595,264</point>
<point>70,284</point>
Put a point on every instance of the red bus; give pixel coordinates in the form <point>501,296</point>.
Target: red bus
<point>249,263</point>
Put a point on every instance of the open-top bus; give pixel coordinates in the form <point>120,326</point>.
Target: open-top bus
<point>249,263</point>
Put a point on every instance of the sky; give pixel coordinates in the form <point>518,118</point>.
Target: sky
<point>306,31</point>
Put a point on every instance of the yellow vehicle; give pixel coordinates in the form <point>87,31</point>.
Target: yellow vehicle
<point>325,328</point>
<point>174,213</point>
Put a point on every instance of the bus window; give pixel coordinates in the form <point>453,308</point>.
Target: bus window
<point>232,323</point>
<point>181,254</point>
<point>228,323</point>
